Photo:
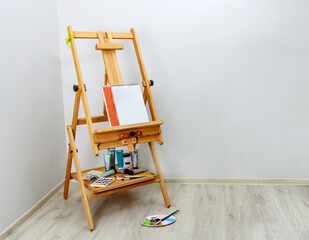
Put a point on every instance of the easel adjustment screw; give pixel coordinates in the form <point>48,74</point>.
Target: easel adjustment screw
<point>151,82</point>
<point>132,133</point>
<point>75,88</point>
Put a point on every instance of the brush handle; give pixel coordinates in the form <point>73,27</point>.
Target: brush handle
<point>161,220</point>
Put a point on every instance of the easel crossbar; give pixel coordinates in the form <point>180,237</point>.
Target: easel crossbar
<point>94,35</point>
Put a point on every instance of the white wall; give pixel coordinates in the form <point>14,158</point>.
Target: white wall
<point>32,142</point>
<point>231,81</point>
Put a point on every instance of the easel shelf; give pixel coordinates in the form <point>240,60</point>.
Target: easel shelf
<point>149,178</point>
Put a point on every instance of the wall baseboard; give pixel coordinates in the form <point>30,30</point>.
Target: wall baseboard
<point>15,225</point>
<point>244,181</point>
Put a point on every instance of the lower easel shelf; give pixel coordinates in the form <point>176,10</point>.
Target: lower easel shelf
<point>117,185</point>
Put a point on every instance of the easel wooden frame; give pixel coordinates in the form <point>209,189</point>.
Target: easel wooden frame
<point>113,136</point>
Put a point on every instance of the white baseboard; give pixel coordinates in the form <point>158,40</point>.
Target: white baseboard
<point>244,181</point>
<point>15,225</point>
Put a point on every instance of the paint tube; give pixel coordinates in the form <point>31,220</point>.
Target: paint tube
<point>107,160</point>
<point>112,152</point>
<point>135,159</point>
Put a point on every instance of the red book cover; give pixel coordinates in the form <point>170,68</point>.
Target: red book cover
<point>110,106</point>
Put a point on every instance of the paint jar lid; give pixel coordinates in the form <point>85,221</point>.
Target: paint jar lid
<point>126,154</point>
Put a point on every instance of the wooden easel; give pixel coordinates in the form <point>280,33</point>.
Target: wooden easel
<point>103,138</point>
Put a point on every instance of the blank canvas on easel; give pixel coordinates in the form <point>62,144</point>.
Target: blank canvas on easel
<point>128,103</point>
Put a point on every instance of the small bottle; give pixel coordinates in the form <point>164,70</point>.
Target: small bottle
<point>126,160</point>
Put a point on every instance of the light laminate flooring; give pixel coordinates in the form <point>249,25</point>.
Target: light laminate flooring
<point>207,211</point>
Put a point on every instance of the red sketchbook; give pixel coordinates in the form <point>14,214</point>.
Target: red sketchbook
<point>110,106</point>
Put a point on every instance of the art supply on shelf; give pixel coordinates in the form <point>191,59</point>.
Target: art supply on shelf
<point>119,154</point>
<point>124,170</point>
<point>134,176</point>
<point>126,160</point>
<point>107,160</point>
<point>135,159</point>
<point>107,173</point>
<point>137,171</point>
<point>112,152</point>
<point>120,177</point>
<point>131,178</point>
<point>91,175</point>
<point>102,182</point>
<point>131,172</point>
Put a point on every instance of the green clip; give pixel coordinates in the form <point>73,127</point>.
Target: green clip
<point>68,39</point>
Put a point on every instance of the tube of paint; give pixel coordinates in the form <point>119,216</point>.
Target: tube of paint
<point>119,154</point>
<point>125,171</point>
<point>126,160</point>
<point>135,159</point>
<point>136,171</point>
<point>107,160</point>
<point>112,152</point>
<point>106,174</point>
<point>131,172</point>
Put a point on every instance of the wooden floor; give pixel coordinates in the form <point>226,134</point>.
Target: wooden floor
<point>207,212</point>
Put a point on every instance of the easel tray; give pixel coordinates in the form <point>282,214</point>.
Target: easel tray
<point>148,176</point>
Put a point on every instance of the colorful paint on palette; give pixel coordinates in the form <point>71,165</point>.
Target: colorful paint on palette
<point>166,222</point>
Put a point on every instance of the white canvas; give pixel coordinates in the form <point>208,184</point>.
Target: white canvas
<point>129,104</point>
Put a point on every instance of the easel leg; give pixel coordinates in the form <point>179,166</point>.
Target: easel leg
<point>67,175</point>
<point>159,173</point>
<point>80,180</point>
<point>70,155</point>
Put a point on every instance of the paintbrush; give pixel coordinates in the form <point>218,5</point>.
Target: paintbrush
<point>156,221</point>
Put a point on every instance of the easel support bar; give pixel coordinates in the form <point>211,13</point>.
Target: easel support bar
<point>83,93</point>
<point>96,119</point>
<point>109,46</point>
<point>144,76</point>
<point>94,35</point>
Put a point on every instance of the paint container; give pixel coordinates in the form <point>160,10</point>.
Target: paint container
<point>135,159</point>
<point>137,171</point>
<point>112,152</point>
<point>126,160</point>
<point>108,173</point>
<point>119,154</point>
<point>107,160</point>
<point>131,172</point>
